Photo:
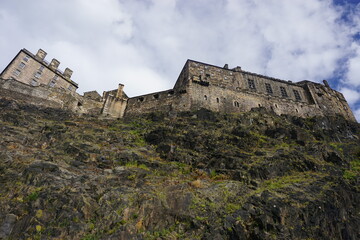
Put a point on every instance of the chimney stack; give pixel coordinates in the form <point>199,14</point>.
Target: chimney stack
<point>67,73</point>
<point>120,91</point>
<point>237,69</point>
<point>226,66</point>
<point>326,83</point>
<point>54,64</point>
<point>41,54</point>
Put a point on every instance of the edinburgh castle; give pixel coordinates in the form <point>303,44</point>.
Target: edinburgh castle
<point>30,78</point>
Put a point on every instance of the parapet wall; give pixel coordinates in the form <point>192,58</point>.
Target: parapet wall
<point>165,101</point>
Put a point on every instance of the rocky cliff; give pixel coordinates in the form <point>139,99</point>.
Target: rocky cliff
<point>197,175</point>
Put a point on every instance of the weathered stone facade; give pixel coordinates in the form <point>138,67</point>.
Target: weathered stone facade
<point>226,90</point>
<point>45,96</point>
<point>35,70</point>
<point>199,85</point>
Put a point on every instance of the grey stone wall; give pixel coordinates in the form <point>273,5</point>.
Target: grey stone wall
<point>45,96</point>
<point>225,90</point>
<point>165,101</point>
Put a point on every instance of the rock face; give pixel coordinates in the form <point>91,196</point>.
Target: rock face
<point>198,175</point>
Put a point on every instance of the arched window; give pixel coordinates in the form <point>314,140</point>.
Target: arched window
<point>217,100</point>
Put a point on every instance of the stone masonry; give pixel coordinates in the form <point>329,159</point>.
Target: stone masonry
<point>227,90</point>
<point>199,85</point>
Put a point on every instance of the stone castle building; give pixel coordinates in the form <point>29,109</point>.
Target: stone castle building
<point>225,90</point>
<point>199,85</point>
<point>35,70</point>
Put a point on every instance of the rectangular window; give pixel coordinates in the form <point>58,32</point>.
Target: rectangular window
<point>16,72</point>
<point>52,83</point>
<point>37,74</point>
<point>297,95</point>
<point>26,58</point>
<point>55,77</point>
<point>283,92</point>
<point>33,82</point>
<point>41,68</point>
<point>251,84</point>
<point>268,88</point>
<point>22,65</point>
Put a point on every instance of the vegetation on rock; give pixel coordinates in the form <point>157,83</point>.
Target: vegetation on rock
<point>197,175</point>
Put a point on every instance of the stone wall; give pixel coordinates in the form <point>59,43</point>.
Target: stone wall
<point>166,101</point>
<point>45,96</point>
<point>28,69</point>
<point>226,90</point>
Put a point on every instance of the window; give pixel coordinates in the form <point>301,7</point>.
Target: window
<point>26,58</point>
<point>283,92</point>
<point>22,65</point>
<point>217,100</point>
<point>236,104</point>
<point>33,82</point>
<point>297,95</point>
<point>251,83</point>
<point>37,74</point>
<point>41,68</point>
<point>16,72</point>
<point>156,96</point>
<point>52,83</point>
<point>268,88</point>
<point>205,97</point>
<point>70,88</point>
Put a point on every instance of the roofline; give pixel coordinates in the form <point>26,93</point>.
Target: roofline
<point>246,72</point>
<point>149,94</point>
<point>41,62</point>
<point>47,66</point>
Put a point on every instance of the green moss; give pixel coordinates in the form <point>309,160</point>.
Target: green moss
<point>136,165</point>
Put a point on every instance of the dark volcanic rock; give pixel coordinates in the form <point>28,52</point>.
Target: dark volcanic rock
<point>196,175</point>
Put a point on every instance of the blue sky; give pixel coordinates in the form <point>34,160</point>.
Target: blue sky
<point>145,43</point>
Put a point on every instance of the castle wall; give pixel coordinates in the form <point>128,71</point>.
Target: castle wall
<point>329,101</point>
<point>114,107</point>
<point>226,90</point>
<point>230,101</point>
<point>204,74</point>
<point>45,96</point>
<point>26,69</point>
<point>166,101</point>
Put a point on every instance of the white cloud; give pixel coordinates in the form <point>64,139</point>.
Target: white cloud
<point>352,96</point>
<point>144,43</point>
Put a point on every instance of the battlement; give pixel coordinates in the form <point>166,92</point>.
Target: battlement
<point>35,70</point>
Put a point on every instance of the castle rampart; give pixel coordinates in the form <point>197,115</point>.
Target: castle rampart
<point>199,85</point>
<point>226,90</point>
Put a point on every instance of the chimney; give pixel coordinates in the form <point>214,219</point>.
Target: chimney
<point>226,66</point>
<point>67,73</point>
<point>120,91</point>
<point>41,54</point>
<point>54,64</point>
<point>326,83</point>
<point>237,69</point>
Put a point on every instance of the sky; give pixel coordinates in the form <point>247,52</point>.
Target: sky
<point>144,44</point>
